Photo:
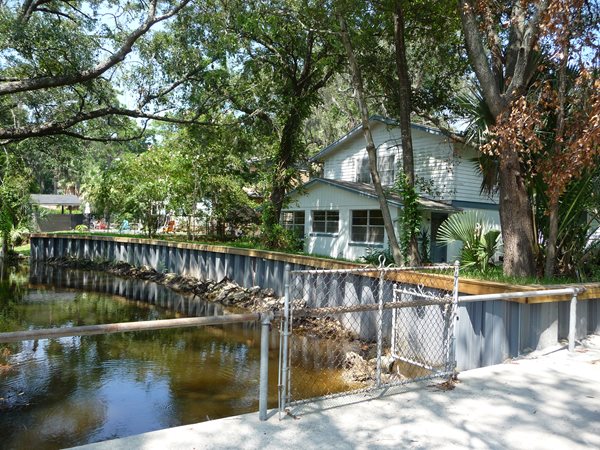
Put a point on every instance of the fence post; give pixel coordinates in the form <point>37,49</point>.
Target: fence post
<point>380,320</point>
<point>283,344</point>
<point>573,320</point>
<point>264,365</point>
<point>451,355</point>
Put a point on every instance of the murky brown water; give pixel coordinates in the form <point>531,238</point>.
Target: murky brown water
<point>70,391</point>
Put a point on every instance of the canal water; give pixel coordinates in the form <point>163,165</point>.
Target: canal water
<point>70,391</point>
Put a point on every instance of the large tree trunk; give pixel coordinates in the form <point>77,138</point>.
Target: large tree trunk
<point>359,94</point>
<point>516,218</point>
<point>404,108</point>
<point>283,167</point>
<point>500,88</point>
<point>5,245</point>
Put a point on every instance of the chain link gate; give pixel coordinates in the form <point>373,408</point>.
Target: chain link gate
<point>351,331</point>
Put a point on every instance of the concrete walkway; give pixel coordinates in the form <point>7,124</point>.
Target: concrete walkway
<point>544,401</point>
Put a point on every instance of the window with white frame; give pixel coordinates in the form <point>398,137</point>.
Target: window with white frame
<point>325,221</point>
<point>385,165</point>
<point>367,226</point>
<point>293,220</point>
<point>363,173</point>
<point>387,168</point>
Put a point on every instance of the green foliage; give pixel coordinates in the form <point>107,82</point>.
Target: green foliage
<point>15,205</point>
<point>187,168</point>
<point>424,246</point>
<point>373,257</point>
<point>578,215</point>
<point>81,228</point>
<point>410,217</point>
<point>19,234</point>
<point>276,237</point>
<point>480,241</point>
<point>436,62</point>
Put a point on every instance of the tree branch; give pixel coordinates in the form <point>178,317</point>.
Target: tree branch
<point>455,137</point>
<point>34,84</point>
<point>477,55</point>
<point>63,127</point>
<point>521,69</point>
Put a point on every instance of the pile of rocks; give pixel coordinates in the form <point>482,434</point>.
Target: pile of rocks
<point>225,292</point>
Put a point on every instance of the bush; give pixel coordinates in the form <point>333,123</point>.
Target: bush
<point>373,255</point>
<point>280,238</point>
<point>480,239</point>
<point>81,228</point>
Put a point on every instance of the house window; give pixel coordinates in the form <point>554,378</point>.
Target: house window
<point>367,226</point>
<point>363,173</point>
<point>385,165</point>
<point>293,220</point>
<point>325,221</point>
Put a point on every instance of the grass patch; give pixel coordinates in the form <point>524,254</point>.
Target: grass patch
<point>24,250</point>
<point>243,243</point>
<point>496,274</point>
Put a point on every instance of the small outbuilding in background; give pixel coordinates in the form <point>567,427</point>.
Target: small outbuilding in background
<point>51,214</point>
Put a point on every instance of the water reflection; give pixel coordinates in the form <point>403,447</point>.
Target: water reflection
<point>146,292</point>
<point>69,391</point>
<point>63,392</point>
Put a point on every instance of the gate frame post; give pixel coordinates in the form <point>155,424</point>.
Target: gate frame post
<point>451,356</point>
<point>263,393</point>
<point>380,321</point>
<point>283,345</point>
<point>573,320</point>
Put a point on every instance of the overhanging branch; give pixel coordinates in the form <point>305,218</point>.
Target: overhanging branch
<point>34,84</point>
<point>64,127</point>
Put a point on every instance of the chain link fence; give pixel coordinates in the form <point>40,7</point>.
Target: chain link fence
<point>351,331</point>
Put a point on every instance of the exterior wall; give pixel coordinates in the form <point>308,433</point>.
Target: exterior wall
<point>341,165</point>
<point>466,178</point>
<point>246,267</point>
<point>447,165</point>
<point>322,197</point>
<point>432,157</point>
<point>486,332</point>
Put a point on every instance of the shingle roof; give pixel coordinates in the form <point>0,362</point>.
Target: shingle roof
<point>54,199</point>
<point>368,190</point>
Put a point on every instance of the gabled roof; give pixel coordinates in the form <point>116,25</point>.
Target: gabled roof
<point>354,131</point>
<point>368,190</point>
<point>56,200</point>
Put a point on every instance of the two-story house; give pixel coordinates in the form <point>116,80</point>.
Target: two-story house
<point>338,213</point>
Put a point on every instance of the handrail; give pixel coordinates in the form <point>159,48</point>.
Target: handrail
<point>521,294</point>
<point>89,330</point>
<point>573,292</point>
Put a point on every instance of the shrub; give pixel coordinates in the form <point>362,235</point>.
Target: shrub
<point>81,228</point>
<point>372,256</point>
<point>480,239</point>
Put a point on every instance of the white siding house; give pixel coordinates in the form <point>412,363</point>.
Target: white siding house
<point>338,214</point>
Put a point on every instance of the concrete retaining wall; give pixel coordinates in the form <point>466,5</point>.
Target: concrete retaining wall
<point>486,333</point>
